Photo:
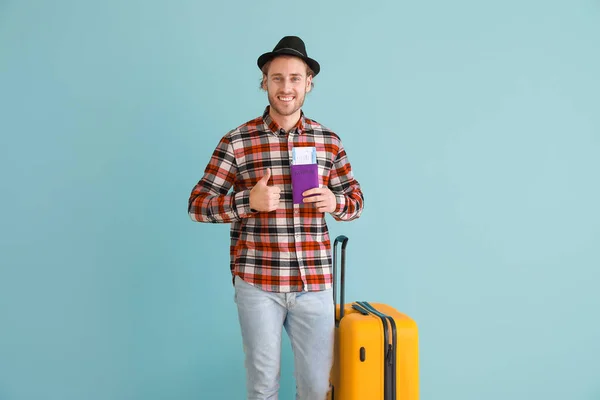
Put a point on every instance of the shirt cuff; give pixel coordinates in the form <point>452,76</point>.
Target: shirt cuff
<point>242,204</point>
<point>340,205</point>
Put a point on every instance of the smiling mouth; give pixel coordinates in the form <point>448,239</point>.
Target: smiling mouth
<point>285,99</point>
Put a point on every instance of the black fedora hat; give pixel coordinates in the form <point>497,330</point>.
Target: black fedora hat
<point>291,46</point>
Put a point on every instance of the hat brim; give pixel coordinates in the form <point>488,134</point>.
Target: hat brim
<point>263,59</point>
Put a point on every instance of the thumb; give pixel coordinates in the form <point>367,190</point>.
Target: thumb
<point>265,179</point>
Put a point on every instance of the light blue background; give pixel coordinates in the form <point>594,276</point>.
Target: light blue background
<point>473,127</point>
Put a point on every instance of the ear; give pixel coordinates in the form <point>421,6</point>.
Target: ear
<point>309,83</point>
<point>264,82</point>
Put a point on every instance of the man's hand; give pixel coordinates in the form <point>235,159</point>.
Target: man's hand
<point>322,198</point>
<point>263,197</point>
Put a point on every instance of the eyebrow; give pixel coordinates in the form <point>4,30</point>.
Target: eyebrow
<point>294,74</point>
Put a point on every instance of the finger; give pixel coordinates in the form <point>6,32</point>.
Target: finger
<point>266,176</point>
<point>313,199</point>
<point>313,191</point>
<point>321,204</point>
<point>276,189</point>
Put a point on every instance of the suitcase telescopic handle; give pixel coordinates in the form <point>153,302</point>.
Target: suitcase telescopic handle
<point>344,241</point>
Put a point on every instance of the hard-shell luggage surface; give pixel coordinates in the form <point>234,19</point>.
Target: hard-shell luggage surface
<point>376,348</point>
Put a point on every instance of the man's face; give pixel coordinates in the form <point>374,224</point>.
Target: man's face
<point>287,85</point>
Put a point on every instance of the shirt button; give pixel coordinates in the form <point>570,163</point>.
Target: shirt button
<point>298,236</point>
<point>296,212</point>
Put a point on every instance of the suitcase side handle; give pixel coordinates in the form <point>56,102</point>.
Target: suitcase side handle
<point>344,241</point>
<point>390,349</point>
<point>359,308</point>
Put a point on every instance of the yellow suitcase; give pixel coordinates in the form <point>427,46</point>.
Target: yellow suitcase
<point>376,348</point>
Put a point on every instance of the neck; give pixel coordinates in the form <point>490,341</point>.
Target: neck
<point>287,122</point>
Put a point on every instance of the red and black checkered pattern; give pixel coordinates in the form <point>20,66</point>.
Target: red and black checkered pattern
<point>286,250</point>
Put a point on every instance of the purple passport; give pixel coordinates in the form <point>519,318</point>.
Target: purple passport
<point>304,177</point>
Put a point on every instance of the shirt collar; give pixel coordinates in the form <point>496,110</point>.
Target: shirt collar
<point>271,125</point>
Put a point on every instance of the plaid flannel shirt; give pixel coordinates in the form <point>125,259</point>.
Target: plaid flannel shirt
<point>289,249</point>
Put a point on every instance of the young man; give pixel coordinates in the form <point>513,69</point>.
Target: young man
<point>280,249</point>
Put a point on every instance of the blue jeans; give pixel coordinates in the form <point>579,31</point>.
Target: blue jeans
<point>308,319</point>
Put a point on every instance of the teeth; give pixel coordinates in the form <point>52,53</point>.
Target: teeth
<point>285,98</point>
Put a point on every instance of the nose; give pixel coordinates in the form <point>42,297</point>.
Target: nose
<point>286,85</point>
